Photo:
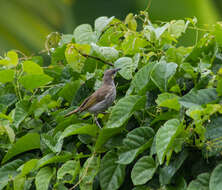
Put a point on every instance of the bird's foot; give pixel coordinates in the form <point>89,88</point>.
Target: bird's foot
<point>97,122</point>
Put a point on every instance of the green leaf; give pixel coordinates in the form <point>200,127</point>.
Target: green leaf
<point>140,188</point>
<point>113,33</point>
<point>71,167</point>
<point>123,110</point>
<point>168,100</point>
<point>32,81</point>
<point>213,134</point>
<point>28,142</point>
<point>10,132</point>
<point>198,97</point>
<point>70,89</point>
<point>41,105</point>
<point>105,53</point>
<point>66,38</point>
<point>101,23</point>
<point>6,100</point>
<point>111,174</point>
<point>143,170</point>
<point>176,28</point>
<point>218,33</point>
<point>133,43</point>
<point>104,135</point>
<point>215,178</point>
<point>80,128</point>
<point>52,142</point>
<point>88,172</point>
<point>152,33</point>
<point>142,79</point>
<point>31,67</point>
<point>43,178</point>
<point>11,59</point>
<point>201,183</point>
<point>21,112</point>
<point>73,56</point>
<point>219,86</point>
<point>167,172</point>
<point>53,158</point>
<point>83,34</point>
<point>8,171</point>
<point>7,75</point>
<point>29,166</point>
<point>127,67</point>
<point>131,21</point>
<point>136,142</point>
<point>178,184</point>
<point>187,67</point>
<point>161,74</point>
<point>19,182</point>
<point>165,137</point>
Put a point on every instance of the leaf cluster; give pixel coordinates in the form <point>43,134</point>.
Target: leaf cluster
<point>163,132</point>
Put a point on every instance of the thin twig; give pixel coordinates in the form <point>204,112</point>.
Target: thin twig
<point>93,57</point>
<point>84,174</point>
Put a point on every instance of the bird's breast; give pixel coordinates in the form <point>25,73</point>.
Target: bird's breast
<point>104,104</point>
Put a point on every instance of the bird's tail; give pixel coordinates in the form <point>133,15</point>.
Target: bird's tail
<point>72,112</point>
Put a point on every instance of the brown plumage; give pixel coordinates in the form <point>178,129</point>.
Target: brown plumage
<point>101,99</point>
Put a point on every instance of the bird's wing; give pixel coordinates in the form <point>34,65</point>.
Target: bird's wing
<point>95,98</point>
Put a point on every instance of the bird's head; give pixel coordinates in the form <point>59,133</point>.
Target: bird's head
<point>109,75</point>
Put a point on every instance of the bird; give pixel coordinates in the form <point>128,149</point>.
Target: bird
<point>101,99</point>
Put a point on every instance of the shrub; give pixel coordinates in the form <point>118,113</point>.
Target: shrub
<point>163,132</point>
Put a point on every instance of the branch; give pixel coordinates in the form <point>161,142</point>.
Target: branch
<point>93,57</point>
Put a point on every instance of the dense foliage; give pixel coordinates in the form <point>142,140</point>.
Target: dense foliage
<point>163,132</point>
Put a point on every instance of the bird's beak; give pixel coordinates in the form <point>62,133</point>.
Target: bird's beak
<point>117,69</point>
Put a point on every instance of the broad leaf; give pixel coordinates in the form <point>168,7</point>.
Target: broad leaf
<point>88,172</point>
<point>32,81</point>
<point>10,60</point>
<point>19,182</point>
<point>215,178</point>
<point>74,57</point>
<point>135,142</point>
<point>127,67</point>
<point>167,172</point>
<point>80,128</point>
<point>29,166</point>
<point>101,23</point>
<point>21,112</point>
<point>176,28</point>
<point>142,79</point>
<point>10,132</point>
<point>161,74</point>
<point>198,97</point>
<point>7,171</point>
<point>28,142</point>
<point>105,53</point>
<point>54,143</point>
<point>83,34</point>
<point>133,43</point>
<point>168,100</point>
<point>53,158</point>
<point>31,67</point>
<point>43,178</point>
<point>104,135</point>
<point>143,170</point>
<point>111,174</point>
<point>165,137</point>
<point>201,183</point>
<point>123,110</point>
<point>214,134</point>
<point>7,75</point>
<point>71,167</point>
